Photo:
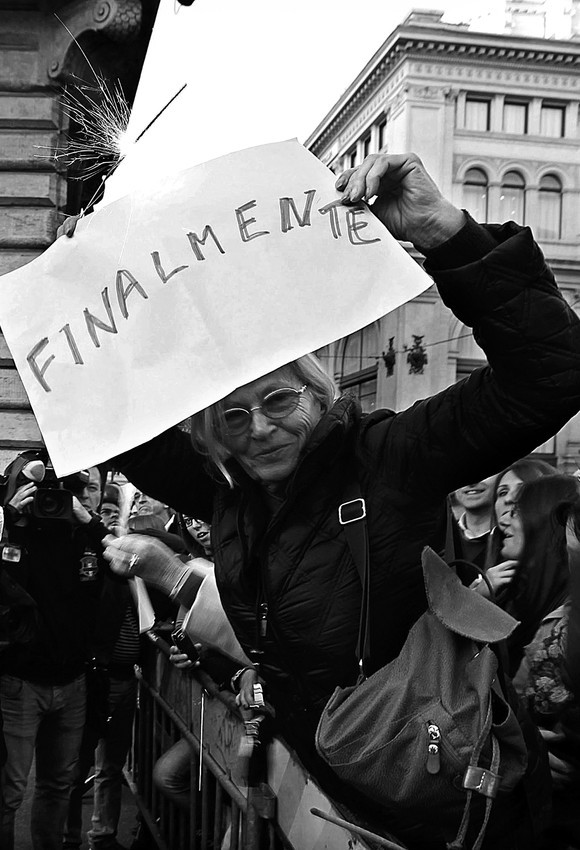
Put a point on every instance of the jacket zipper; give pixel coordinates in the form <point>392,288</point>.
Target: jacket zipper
<point>263,618</point>
<point>265,628</point>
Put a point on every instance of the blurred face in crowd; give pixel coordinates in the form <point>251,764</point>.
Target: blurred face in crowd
<point>90,495</point>
<point>268,446</point>
<point>144,505</point>
<point>200,531</point>
<point>572,541</point>
<point>476,497</point>
<point>506,495</point>
<point>110,515</point>
<point>513,535</point>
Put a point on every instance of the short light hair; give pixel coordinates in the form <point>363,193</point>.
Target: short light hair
<point>208,427</point>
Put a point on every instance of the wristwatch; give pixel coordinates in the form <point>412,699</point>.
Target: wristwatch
<point>235,680</point>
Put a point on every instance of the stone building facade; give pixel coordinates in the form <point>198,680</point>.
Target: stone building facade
<point>495,118</point>
<point>44,46</point>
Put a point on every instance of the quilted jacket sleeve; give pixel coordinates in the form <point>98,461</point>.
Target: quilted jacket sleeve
<point>499,413</point>
<point>168,469</point>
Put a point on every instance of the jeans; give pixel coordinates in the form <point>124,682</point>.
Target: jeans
<point>107,750</point>
<point>46,722</point>
<point>172,774</point>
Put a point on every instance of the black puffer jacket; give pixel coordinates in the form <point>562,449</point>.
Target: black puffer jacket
<point>297,562</point>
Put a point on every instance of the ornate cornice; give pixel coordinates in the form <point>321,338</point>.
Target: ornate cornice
<point>118,20</point>
<point>559,56</point>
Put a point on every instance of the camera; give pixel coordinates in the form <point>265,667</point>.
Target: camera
<point>185,644</point>
<point>55,498</point>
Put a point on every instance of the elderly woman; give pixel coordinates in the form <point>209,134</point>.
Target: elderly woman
<point>271,463</point>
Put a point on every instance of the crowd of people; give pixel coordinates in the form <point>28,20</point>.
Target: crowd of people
<point>246,508</point>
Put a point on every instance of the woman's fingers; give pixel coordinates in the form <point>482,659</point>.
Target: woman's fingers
<point>364,182</point>
<point>68,227</point>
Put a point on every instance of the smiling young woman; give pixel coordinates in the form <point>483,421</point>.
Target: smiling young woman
<point>537,540</point>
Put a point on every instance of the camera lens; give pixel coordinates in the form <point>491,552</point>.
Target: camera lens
<point>51,504</point>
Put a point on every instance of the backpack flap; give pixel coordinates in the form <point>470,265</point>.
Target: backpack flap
<point>460,609</point>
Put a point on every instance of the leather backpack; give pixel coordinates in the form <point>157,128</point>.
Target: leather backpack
<point>431,733</point>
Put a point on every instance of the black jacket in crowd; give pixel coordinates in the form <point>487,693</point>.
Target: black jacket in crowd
<point>57,569</point>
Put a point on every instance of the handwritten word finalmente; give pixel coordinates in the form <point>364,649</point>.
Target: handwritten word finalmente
<point>248,229</point>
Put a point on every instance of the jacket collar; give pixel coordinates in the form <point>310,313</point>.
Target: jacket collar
<point>327,443</point>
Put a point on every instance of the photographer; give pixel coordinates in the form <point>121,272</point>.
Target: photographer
<point>51,546</point>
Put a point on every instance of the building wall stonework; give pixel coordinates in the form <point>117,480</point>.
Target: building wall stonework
<point>38,53</point>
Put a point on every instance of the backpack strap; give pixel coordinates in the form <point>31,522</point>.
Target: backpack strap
<point>352,516</point>
<point>485,782</point>
<point>449,553</point>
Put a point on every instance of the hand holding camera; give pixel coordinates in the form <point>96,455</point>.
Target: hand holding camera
<point>30,486</point>
<point>185,646</point>
<point>80,513</point>
<point>179,659</point>
<point>23,497</point>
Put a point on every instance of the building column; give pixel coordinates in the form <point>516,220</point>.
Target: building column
<point>571,129</point>
<point>494,191</point>
<point>532,204</point>
<point>534,116</point>
<point>449,112</point>
<point>460,111</point>
<point>496,117</point>
<point>570,213</point>
<point>375,138</point>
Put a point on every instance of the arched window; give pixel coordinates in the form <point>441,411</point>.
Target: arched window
<point>358,374</point>
<point>475,193</point>
<point>549,208</point>
<point>512,200</point>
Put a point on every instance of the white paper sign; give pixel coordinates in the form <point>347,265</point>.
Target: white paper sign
<point>166,300</point>
<point>145,610</point>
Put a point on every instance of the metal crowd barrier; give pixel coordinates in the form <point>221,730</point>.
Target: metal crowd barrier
<point>266,802</point>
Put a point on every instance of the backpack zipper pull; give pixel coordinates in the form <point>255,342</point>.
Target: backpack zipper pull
<point>433,756</point>
<point>263,619</point>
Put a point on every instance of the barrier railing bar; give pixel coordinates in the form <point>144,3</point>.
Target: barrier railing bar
<point>193,807</point>
<point>209,762</point>
<point>144,812</point>
<point>352,827</point>
<point>217,815</point>
<point>251,828</point>
<point>204,807</point>
<point>235,835</point>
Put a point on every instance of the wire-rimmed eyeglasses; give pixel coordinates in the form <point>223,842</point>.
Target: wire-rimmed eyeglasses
<point>275,405</point>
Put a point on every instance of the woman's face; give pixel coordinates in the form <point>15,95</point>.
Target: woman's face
<point>513,535</point>
<point>269,449</point>
<point>200,531</point>
<point>506,495</point>
<point>572,541</point>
